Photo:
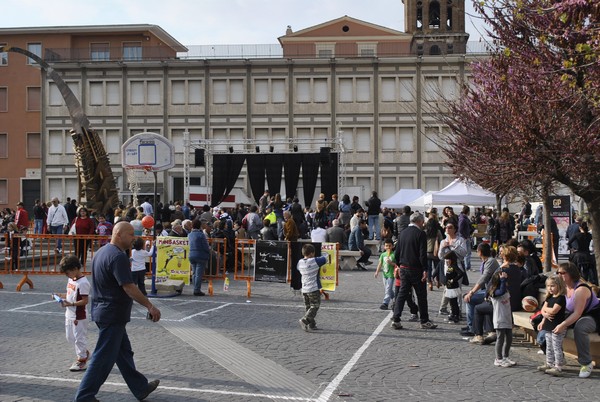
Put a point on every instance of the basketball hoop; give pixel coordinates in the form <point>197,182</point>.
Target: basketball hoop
<point>135,174</point>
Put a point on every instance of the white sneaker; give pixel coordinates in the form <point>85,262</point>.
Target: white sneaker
<point>509,362</point>
<point>586,370</point>
<point>78,366</point>
<point>498,362</point>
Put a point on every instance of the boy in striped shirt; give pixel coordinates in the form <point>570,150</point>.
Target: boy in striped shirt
<point>309,267</point>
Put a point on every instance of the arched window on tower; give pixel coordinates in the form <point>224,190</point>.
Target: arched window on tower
<point>435,50</point>
<point>434,15</point>
<point>419,15</point>
<point>449,15</point>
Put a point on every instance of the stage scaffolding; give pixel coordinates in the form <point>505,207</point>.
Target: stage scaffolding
<point>252,146</point>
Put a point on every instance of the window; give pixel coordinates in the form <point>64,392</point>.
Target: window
<point>363,139</point>
<point>388,139</point>
<point>355,89</point>
<point>3,99</point>
<point>113,141</point>
<point>430,139</point>
<point>399,89</point>
<point>432,184</point>
<point>100,51</point>
<point>431,90</point>
<point>96,93</point>
<point>406,182</point>
<point>186,92</point>
<point>312,90</point>
<point>367,49</point>
<point>449,86</point>
<point>228,91</point>
<point>145,92</point>
<point>3,145</point>
<point>406,141</point>
<point>132,51</point>
<point>33,99</point>
<point>325,50</point>
<point>3,191</point>
<point>35,48</point>
<point>55,98</point>
<point>34,149</point>
<point>434,14</point>
<point>104,93</point>
<point>55,142</point>
<point>269,91</point>
<point>3,56</point>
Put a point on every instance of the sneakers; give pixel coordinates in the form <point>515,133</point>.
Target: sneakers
<point>383,307</point>
<point>199,293</point>
<point>443,311</point>
<point>413,318</point>
<point>504,362</point>
<point>555,372</point>
<point>396,325</point>
<point>152,385</point>
<point>304,324</point>
<point>428,325</point>
<point>360,266</point>
<point>78,366</point>
<point>368,262</point>
<point>544,368</point>
<point>586,370</point>
<point>477,339</point>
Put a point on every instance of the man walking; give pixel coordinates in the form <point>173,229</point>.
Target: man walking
<point>112,292</point>
<point>57,221</point>
<point>411,257</point>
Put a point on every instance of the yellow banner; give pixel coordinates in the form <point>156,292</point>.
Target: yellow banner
<point>172,259</point>
<point>328,272</point>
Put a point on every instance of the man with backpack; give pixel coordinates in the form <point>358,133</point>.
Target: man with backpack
<point>252,223</point>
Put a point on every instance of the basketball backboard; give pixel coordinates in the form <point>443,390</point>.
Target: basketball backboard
<point>148,149</point>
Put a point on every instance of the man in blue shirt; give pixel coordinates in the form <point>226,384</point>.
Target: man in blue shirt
<point>113,292</point>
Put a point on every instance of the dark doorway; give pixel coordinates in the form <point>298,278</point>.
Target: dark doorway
<point>31,191</point>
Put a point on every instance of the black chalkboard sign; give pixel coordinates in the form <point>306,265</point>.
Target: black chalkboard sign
<point>271,261</point>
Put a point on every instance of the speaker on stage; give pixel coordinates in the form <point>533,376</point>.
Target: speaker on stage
<point>199,157</point>
<point>325,156</point>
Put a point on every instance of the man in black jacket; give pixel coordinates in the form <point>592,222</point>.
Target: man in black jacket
<point>411,257</point>
<point>373,211</point>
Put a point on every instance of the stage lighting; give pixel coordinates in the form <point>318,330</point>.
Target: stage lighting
<point>271,148</point>
<point>295,148</point>
<point>230,150</point>
<point>257,149</point>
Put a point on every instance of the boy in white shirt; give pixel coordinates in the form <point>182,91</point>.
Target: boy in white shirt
<point>309,267</point>
<point>75,302</point>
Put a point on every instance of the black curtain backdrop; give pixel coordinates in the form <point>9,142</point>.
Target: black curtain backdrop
<point>329,177</point>
<point>273,167</point>
<point>310,172</point>
<point>226,170</point>
<point>291,165</point>
<point>256,174</point>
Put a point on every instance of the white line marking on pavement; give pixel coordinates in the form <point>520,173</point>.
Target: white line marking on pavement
<point>184,389</point>
<point>204,312</point>
<point>326,394</point>
<point>32,305</point>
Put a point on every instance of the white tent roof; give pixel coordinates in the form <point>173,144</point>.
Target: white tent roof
<point>419,203</point>
<point>402,198</point>
<point>461,192</point>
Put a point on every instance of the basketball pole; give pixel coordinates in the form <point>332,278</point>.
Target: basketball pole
<point>153,290</point>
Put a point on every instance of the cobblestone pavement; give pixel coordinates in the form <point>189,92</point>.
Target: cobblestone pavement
<point>232,348</point>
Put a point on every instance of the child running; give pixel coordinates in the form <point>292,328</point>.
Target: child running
<point>555,304</point>
<point>502,318</point>
<point>386,265</point>
<point>309,268</point>
<point>75,301</point>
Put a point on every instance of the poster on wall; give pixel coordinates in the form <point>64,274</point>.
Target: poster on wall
<point>560,211</point>
<point>172,259</point>
<point>271,261</point>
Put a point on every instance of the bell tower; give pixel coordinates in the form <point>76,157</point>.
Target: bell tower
<point>437,26</point>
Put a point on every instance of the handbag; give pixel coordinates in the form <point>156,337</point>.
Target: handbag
<point>73,229</point>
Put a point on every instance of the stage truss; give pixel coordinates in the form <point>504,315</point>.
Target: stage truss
<point>252,146</point>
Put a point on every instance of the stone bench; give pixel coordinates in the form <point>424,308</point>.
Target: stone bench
<point>348,259</point>
<point>374,246</point>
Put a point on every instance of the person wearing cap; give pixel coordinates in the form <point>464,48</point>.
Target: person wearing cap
<point>22,217</point>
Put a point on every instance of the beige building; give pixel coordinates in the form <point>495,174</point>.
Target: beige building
<point>380,89</point>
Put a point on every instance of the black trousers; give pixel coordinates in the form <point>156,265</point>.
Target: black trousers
<point>482,318</point>
<point>412,279</point>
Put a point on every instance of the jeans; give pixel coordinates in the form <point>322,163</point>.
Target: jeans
<point>113,346</point>
<point>476,298</point>
<point>411,278</point>
<point>57,230</point>
<point>482,318</point>
<point>388,287</point>
<point>374,231</point>
<point>467,259</point>
<point>198,267</point>
<point>38,224</point>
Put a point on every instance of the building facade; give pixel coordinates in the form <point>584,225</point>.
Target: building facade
<point>381,90</point>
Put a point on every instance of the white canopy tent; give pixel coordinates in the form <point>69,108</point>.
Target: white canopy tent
<point>419,204</point>
<point>402,198</point>
<point>461,193</point>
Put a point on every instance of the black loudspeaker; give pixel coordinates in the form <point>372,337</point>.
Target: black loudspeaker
<point>325,156</point>
<point>199,157</point>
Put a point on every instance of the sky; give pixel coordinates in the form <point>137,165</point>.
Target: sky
<point>212,22</point>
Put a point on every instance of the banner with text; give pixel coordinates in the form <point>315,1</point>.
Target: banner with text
<point>328,273</point>
<point>271,261</point>
<point>172,259</point>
